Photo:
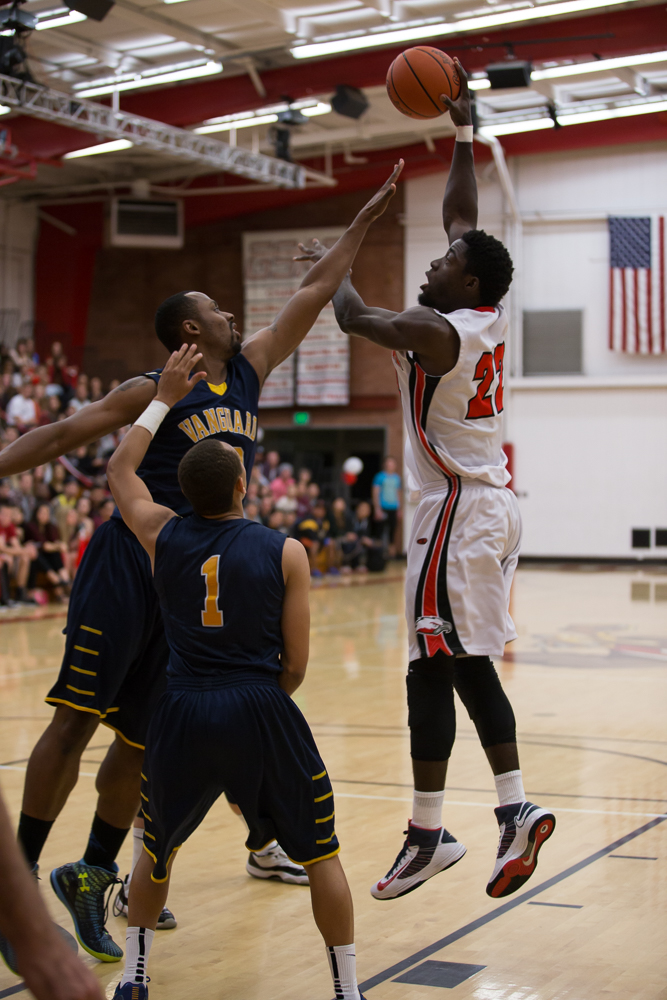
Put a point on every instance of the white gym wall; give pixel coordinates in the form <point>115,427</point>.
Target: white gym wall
<point>589,450</point>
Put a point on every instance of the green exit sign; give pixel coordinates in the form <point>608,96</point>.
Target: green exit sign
<point>301,419</point>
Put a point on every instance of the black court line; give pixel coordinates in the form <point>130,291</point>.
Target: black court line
<point>474,925</point>
<point>561,906</point>
<point>11,990</point>
<point>632,857</point>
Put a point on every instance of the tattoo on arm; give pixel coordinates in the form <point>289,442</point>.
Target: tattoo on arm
<point>132,383</point>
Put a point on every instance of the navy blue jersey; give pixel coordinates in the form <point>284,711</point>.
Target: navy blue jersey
<point>221,589</point>
<point>227,412</point>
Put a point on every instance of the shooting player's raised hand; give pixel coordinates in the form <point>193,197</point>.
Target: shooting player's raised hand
<point>459,110</point>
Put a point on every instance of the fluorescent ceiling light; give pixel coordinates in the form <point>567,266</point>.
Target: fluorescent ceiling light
<point>599,66</point>
<point>320,109</point>
<point>4,110</point>
<point>194,72</point>
<point>103,147</point>
<point>262,116</point>
<point>373,40</point>
<point>239,123</point>
<point>510,128</point>
<point>71,17</point>
<point>482,84</point>
<point>625,112</point>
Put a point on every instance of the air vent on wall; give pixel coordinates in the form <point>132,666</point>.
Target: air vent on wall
<point>146,223</point>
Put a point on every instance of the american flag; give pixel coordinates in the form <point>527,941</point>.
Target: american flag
<point>637,284</point>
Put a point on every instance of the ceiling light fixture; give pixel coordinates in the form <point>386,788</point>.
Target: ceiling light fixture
<point>511,128</point>
<point>238,123</point>
<point>374,39</point>
<point>174,76</point>
<point>4,110</point>
<point>599,66</point>
<point>482,84</point>
<point>62,21</point>
<point>103,147</point>
<point>604,114</point>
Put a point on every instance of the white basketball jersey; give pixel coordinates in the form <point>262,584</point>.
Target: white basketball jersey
<point>453,421</point>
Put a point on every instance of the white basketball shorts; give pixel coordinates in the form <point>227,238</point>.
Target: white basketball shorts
<point>463,550</point>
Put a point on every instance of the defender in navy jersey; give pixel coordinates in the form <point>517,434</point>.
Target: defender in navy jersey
<point>115,658</point>
<point>234,597</point>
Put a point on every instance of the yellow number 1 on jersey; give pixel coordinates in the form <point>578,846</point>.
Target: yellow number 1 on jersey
<point>211,615</point>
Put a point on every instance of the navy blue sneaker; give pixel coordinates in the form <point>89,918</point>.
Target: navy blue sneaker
<point>8,955</point>
<point>131,991</point>
<point>81,888</point>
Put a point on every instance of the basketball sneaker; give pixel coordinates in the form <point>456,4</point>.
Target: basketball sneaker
<point>131,991</point>
<point>424,854</point>
<point>166,920</point>
<point>524,827</point>
<point>274,863</point>
<point>81,888</point>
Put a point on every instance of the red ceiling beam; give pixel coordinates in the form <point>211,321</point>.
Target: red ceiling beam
<point>640,29</point>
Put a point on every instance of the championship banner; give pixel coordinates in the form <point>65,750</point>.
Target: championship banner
<point>319,375</point>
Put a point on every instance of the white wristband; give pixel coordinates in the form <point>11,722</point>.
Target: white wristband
<point>153,416</point>
<point>464,133</point>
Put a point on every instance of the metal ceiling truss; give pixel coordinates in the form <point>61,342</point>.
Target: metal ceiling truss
<point>54,106</point>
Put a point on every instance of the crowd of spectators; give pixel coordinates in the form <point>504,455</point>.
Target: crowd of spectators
<point>48,515</point>
<point>340,537</point>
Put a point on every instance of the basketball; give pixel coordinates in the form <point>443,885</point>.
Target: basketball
<point>417,78</point>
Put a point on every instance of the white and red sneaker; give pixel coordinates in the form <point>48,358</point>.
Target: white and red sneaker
<point>524,827</point>
<point>424,854</point>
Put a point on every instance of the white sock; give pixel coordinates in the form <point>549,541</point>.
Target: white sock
<point>427,809</point>
<point>138,941</point>
<point>265,850</point>
<point>510,788</point>
<point>343,965</point>
<point>137,848</point>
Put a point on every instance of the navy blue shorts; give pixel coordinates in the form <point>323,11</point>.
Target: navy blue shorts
<point>248,739</point>
<point>116,653</point>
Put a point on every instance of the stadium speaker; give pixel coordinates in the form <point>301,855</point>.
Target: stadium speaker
<point>95,9</point>
<point>349,101</point>
<point>504,75</point>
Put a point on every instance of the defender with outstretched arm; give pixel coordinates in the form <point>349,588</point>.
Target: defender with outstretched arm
<point>115,658</point>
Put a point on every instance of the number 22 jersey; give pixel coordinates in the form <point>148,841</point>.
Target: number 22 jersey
<point>454,421</point>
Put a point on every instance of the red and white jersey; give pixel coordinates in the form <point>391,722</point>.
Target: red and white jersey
<point>454,421</point>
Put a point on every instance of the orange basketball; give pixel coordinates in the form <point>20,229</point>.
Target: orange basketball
<point>416,79</point>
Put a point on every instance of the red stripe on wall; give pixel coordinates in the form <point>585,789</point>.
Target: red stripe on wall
<point>661,280</point>
<point>624,307</point>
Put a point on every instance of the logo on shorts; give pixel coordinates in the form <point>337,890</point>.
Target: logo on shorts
<point>432,625</point>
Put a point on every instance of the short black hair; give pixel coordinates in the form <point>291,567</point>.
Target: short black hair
<point>169,318</point>
<point>207,475</point>
<point>487,259</point>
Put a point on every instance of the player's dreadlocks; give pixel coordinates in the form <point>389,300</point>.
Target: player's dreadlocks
<point>487,259</point>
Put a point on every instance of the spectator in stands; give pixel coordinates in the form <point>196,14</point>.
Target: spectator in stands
<point>80,395</point>
<point>104,512</point>
<point>21,409</point>
<point>265,508</point>
<point>44,535</point>
<point>313,533</point>
<point>251,511</point>
<point>387,502</point>
<point>24,496</point>
<point>281,483</point>
<point>277,521</point>
<point>23,360</point>
<point>15,560</point>
<point>270,467</point>
<point>287,503</point>
<point>96,389</point>
<point>347,548</point>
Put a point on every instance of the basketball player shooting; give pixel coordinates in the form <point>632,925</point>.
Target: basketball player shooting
<point>234,596</point>
<point>113,669</point>
<point>464,546</point>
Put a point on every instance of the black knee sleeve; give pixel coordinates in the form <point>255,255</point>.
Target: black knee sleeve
<point>431,712</point>
<point>478,686</point>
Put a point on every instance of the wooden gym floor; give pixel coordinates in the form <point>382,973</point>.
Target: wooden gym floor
<point>588,680</point>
